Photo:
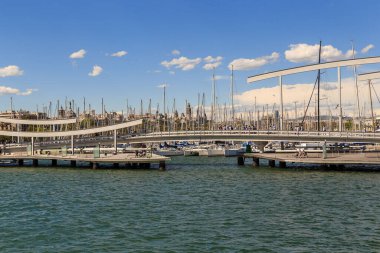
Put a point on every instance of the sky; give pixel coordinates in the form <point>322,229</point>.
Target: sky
<point>119,50</point>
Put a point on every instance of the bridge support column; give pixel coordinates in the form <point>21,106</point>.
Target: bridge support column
<point>282,164</point>
<point>72,144</point>
<point>162,165</point>
<point>115,140</point>
<point>32,147</point>
<point>35,162</point>
<point>73,163</point>
<point>54,162</point>
<point>20,162</point>
<point>272,163</point>
<point>240,160</point>
<point>256,162</point>
<point>281,104</point>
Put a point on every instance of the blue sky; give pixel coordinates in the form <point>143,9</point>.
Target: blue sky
<point>39,36</point>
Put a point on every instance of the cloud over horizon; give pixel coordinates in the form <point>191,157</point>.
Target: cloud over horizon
<point>11,70</point>
<point>119,54</point>
<point>301,93</point>
<point>249,64</point>
<point>78,54</point>
<point>212,62</point>
<point>5,90</point>
<point>96,70</point>
<point>182,63</point>
<point>367,48</point>
<point>303,52</point>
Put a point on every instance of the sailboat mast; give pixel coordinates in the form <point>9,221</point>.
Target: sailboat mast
<point>232,94</point>
<point>319,84</point>
<point>356,86</point>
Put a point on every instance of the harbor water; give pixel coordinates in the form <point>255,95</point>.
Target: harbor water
<point>199,204</point>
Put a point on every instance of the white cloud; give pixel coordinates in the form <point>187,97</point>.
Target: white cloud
<point>182,62</point>
<point>78,54</point>
<point>248,64</point>
<point>171,72</point>
<point>10,70</point>
<point>367,48</point>
<point>119,54</point>
<point>14,91</point>
<point>212,59</point>
<point>212,62</point>
<point>176,52</point>
<point>350,54</point>
<point>157,71</point>
<point>27,92</point>
<point>309,53</point>
<point>214,65</point>
<point>96,70</point>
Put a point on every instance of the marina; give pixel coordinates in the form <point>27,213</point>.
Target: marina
<point>190,126</point>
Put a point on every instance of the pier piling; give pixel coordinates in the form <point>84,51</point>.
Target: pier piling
<point>54,162</point>
<point>73,163</point>
<point>272,163</point>
<point>240,160</point>
<point>162,165</point>
<point>35,162</point>
<point>20,162</point>
<point>256,162</point>
<point>116,165</point>
<point>282,164</point>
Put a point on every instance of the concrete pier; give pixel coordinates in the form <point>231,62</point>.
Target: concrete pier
<point>332,161</point>
<point>112,159</point>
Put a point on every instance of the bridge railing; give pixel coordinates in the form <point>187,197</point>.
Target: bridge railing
<point>261,132</point>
